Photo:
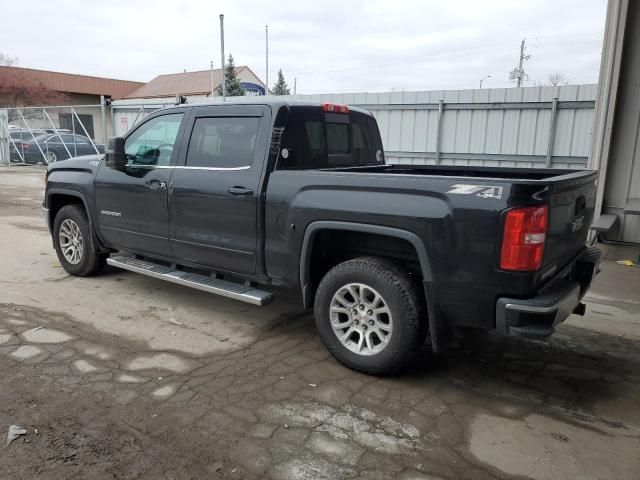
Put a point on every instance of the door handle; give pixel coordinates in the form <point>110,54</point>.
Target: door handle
<point>156,185</point>
<point>239,191</point>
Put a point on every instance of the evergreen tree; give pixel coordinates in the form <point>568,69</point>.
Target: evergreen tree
<point>281,87</point>
<point>232,84</point>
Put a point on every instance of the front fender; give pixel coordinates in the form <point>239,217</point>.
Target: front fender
<point>49,217</point>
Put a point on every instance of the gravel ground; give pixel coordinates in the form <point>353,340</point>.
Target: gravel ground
<point>122,376</point>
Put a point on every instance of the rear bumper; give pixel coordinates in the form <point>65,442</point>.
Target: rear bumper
<point>537,317</point>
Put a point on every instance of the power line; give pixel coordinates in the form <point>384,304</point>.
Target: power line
<point>493,48</point>
<point>462,53</point>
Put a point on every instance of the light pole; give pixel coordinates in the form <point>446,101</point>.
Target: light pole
<point>224,86</point>
<point>483,79</point>
<point>266,73</point>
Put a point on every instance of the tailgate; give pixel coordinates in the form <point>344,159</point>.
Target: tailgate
<point>571,208</point>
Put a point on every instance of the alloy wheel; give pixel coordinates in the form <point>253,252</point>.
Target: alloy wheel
<point>361,319</point>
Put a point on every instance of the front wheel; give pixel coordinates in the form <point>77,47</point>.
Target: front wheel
<point>369,315</point>
<point>73,244</point>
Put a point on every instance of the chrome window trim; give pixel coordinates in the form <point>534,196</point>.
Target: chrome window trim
<point>247,167</point>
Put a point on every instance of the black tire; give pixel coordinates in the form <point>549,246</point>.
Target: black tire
<point>403,299</point>
<point>90,262</point>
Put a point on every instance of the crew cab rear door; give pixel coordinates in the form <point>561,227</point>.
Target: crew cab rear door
<point>214,190</point>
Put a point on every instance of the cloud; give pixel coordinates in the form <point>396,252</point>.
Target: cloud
<point>328,45</point>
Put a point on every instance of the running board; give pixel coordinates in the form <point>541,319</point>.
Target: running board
<point>224,288</point>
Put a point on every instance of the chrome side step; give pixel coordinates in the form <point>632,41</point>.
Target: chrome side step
<point>225,288</point>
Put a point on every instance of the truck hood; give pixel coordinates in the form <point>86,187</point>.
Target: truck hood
<point>89,163</point>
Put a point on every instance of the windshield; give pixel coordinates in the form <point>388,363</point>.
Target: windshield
<point>317,139</point>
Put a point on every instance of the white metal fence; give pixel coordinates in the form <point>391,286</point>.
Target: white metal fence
<point>522,127</point>
<point>48,134</point>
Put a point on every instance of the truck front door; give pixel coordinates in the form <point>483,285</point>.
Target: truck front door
<point>214,189</point>
<point>132,202</point>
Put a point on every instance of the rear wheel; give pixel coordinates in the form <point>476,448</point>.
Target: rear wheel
<point>369,315</point>
<point>51,156</point>
<point>73,244</point>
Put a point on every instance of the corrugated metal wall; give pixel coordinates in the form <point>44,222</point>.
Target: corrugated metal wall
<point>622,185</point>
<point>495,127</point>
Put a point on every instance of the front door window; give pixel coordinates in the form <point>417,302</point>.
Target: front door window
<point>152,144</point>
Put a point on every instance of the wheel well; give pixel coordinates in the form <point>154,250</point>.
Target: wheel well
<point>331,247</point>
<point>57,201</point>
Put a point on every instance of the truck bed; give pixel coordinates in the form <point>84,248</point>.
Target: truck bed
<point>498,173</point>
<point>457,212</point>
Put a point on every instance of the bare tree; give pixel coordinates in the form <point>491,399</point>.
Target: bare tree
<point>8,60</point>
<point>18,91</point>
<point>556,79</point>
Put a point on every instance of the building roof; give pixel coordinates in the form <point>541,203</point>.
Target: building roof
<point>72,83</point>
<point>187,83</point>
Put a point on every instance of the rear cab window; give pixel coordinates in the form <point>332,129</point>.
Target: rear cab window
<point>315,139</point>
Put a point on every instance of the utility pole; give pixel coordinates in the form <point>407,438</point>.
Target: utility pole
<point>266,73</point>
<point>518,73</point>
<point>224,86</point>
<point>295,84</point>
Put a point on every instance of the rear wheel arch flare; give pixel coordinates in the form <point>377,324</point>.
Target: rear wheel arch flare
<point>311,234</point>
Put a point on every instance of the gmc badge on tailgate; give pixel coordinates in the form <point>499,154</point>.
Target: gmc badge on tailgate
<point>577,224</point>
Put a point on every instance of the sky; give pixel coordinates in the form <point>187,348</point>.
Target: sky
<point>329,46</point>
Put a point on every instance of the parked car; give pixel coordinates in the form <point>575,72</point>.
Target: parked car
<point>235,198</point>
<point>60,130</point>
<point>54,150</point>
<point>20,137</point>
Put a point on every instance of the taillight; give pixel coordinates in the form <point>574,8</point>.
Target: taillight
<point>525,231</point>
<point>334,108</point>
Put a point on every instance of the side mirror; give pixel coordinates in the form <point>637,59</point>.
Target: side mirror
<point>115,156</point>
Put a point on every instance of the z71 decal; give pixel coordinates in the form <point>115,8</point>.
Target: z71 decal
<point>482,191</point>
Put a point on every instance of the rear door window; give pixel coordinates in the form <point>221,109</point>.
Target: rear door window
<point>223,142</point>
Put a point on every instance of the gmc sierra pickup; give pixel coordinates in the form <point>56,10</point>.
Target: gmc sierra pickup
<point>234,198</point>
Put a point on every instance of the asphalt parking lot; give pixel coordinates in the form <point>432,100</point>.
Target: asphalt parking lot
<point>124,376</point>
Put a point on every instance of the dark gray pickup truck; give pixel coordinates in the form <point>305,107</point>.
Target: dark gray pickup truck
<point>235,198</point>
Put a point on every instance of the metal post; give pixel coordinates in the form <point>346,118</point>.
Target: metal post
<point>439,129</point>
<point>266,73</point>
<point>552,130</point>
<point>295,85</point>
<point>73,131</point>
<point>224,83</point>
<point>45,114</point>
<point>111,120</point>
<point>103,115</point>
<point>140,111</point>
<point>85,132</point>
<point>6,128</point>
<point>212,84</point>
